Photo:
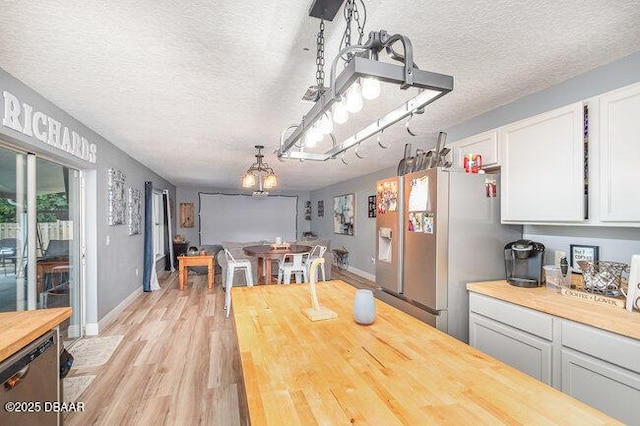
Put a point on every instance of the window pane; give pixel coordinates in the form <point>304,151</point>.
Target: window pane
<point>13,231</point>
<point>57,243</point>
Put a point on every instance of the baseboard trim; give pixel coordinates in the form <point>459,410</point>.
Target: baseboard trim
<point>94,329</point>
<point>363,274</point>
<point>91,329</point>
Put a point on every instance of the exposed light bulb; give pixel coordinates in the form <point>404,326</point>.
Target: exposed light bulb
<point>324,123</point>
<point>370,88</point>
<point>270,181</point>
<point>248,180</point>
<point>339,112</point>
<point>354,98</point>
<point>314,135</point>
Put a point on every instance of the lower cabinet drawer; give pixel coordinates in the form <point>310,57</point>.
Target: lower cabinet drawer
<point>525,319</point>
<point>610,347</point>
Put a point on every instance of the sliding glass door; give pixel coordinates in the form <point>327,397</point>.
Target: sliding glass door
<point>13,231</point>
<point>40,237</point>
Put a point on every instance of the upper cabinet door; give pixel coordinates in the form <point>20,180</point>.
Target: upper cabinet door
<point>485,144</point>
<point>620,155</point>
<point>543,167</point>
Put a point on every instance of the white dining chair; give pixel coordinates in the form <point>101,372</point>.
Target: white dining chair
<point>232,266</point>
<point>316,253</point>
<point>292,263</point>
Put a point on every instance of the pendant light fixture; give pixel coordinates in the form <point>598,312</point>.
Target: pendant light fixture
<point>259,173</point>
<point>360,81</point>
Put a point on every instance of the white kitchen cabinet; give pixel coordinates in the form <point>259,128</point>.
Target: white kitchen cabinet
<point>543,166</point>
<point>521,350</point>
<point>602,369</point>
<point>515,335</point>
<point>485,144</point>
<point>619,155</point>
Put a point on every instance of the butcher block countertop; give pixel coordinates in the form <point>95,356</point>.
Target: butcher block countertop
<point>395,371</point>
<point>550,301</point>
<point>18,329</point>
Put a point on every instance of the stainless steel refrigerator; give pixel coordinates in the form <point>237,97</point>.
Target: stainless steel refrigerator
<point>445,232</point>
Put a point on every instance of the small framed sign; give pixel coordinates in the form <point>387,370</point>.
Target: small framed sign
<point>371,208</point>
<point>580,252</point>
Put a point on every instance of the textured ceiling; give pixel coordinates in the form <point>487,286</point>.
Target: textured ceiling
<point>189,87</point>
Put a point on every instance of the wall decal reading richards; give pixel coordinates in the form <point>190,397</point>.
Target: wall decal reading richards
<point>35,124</point>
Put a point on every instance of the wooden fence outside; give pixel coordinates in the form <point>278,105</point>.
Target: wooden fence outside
<point>60,230</point>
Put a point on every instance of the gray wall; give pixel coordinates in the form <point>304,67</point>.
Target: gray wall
<point>189,194</point>
<point>362,245</point>
<point>111,269</point>
<point>615,244</point>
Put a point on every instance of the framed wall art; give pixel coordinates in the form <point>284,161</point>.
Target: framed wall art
<point>344,214</point>
<point>116,193</point>
<point>321,208</point>
<point>371,206</point>
<point>578,252</point>
<point>186,215</point>
<point>135,211</point>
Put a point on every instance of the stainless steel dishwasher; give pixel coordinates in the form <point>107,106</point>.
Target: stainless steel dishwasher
<point>30,379</point>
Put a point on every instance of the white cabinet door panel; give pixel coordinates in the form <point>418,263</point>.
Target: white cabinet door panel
<point>521,350</point>
<point>485,144</point>
<point>542,167</point>
<point>612,390</point>
<point>620,155</point>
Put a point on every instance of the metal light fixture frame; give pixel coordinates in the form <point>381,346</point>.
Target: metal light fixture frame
<point>261,171</point>
<point>364,64</point>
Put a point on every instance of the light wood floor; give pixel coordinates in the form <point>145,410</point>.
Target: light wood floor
<point>178,363</point>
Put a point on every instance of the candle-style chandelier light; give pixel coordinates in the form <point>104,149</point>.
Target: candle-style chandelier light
<point>261,174</point>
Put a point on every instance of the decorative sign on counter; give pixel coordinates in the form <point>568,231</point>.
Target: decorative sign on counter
<point>598,299</point>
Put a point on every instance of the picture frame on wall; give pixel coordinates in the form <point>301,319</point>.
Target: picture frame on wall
<point>187,215</point>
<point>135,211</point>
<point>344,214</point>
<point>320,208</point>
<point>116,195</point>
<point>579,252</point>
<point>371,206</point>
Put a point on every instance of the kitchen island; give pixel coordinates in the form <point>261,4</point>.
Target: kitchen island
<point>18,329</point>
<point>29,367</point>
<point>396,371</point>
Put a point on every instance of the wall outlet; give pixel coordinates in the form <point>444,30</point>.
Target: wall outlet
<point>136,272</point>
<point>559,255</point>
<point>108,240</point>
<point>373,260</point>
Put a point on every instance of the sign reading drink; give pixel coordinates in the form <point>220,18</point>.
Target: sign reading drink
<point>36,124</point>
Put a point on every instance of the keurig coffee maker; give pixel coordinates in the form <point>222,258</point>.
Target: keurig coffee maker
<point>523,263</point>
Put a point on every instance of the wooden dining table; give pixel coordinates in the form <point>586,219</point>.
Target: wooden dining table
<point>266,254</point>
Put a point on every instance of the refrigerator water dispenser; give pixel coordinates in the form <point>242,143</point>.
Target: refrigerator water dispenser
<point>385,244</point>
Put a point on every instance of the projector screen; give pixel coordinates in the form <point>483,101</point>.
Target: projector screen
<point>242,218</point>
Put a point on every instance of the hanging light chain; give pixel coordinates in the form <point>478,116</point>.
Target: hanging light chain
<point>346,37</point>
<point>356,18</point>
<point>351,14</point>
<point>320,58</point>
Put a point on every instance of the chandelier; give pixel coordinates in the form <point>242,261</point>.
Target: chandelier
<point>259,173</point>
<point>359,81</point>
